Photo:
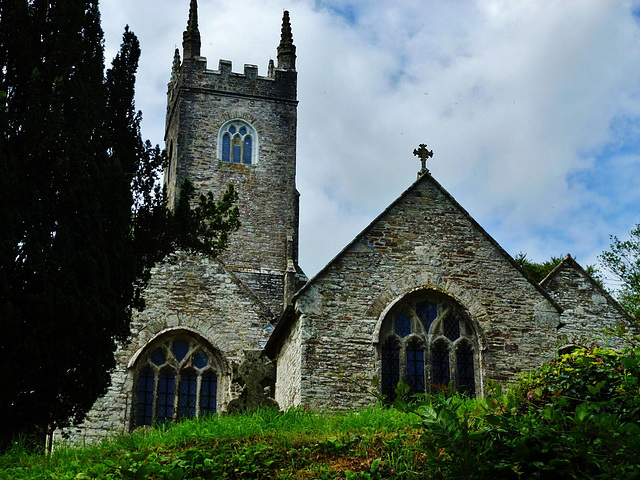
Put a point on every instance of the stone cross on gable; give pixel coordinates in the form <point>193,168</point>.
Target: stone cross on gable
<point>423,154</point>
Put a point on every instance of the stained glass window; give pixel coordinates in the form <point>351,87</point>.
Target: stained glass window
<point>427,321</point>
<point>403,325</point>
<point>427,313</point>
<point>237,141</point>
<point>464,365</point>
<point>180,349</point>
<point>451,328</point>
<point>226,147</point>
<point>390,369</point>
<point>188,393</point>
<point>200,360</point>
<point>144,410</point>
<point>158,357</point>
<point>208,393</point>
<point>237,148</point>
<point>247,151</point>
<point>176,379</point>
<point>166,394</point>
<point>415,367</point>
<point>440,365</point>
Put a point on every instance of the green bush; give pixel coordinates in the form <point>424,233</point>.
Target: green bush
<point>576,417</point>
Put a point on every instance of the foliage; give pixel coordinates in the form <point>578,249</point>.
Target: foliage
<point>623,261</point>
<point>82,217</point>
<point>576,417</point>
<point>368,444</point>
<point>539,271</point>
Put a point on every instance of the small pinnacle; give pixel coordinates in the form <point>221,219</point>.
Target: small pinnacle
<point>286,49</point>
<point>175,68</point>
<point>192,24</point>
<point>191,36</point>
<point>286,37</point>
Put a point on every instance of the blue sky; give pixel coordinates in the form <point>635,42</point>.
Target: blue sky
<point>532,108</point>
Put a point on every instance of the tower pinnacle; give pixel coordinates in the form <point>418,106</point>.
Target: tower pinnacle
<point>191,36</point>
<point>175,67</point>
<point>286,49</point>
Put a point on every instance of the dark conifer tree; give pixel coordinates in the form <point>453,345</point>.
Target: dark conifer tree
<point>82,218</point>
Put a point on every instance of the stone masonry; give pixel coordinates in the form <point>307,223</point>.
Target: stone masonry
<point>328,343</point>
<point>590,314</point>
<point>200,101</point>
<point>227,307</point>
<point>217,318</point>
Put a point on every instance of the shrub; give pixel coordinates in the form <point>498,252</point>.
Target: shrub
<point>576,417</point>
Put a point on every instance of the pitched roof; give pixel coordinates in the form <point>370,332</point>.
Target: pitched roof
<point>283,327</point>
<point>569,262</point>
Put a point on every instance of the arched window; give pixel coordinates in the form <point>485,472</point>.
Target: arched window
<point>427,341</point>
<point>176,378</point>
<point>390,368</point>
<point>237,142</point>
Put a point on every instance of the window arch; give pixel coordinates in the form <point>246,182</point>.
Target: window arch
<point>176,377</point>
<point>238,143</point>
<point>427,341</point>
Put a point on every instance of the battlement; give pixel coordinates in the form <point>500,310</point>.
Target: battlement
<point>279,84</point>
<point>192,74</point>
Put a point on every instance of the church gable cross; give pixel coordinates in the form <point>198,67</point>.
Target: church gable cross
<point>423,154</point>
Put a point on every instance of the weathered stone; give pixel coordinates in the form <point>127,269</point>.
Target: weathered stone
<point>256,376</point>
<point>591,315</point>
<point>202,315</point>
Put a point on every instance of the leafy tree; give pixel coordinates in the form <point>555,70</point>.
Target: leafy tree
<point>623,261</point>
<point>82,217</point>
<point>539,271</point>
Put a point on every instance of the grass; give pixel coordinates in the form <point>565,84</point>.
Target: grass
<point>576,417</point>
<point>371,443</point>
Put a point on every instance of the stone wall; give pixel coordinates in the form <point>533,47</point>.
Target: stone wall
<point>424,240</point>
<point>288,374</point>
<point>590,313</point>
<point>191,294</point>
<point>199,104</point>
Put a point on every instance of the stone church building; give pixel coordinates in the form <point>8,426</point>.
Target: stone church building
<point>423,294</point>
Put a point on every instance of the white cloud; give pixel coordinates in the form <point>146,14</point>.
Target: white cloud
<point>517,99</point>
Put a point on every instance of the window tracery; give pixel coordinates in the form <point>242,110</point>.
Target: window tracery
<point>237,142</point>
<point>176,378</point>
<point>427,341</point>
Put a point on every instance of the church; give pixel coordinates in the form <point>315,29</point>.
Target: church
<point>423,294</point>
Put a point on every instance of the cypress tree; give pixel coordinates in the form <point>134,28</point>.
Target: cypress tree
<point>81,214</point>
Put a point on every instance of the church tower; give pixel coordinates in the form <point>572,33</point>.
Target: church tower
<point>240,128</point>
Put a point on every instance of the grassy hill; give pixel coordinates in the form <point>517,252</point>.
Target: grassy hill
<point>577,417</point>
<point>266,444</point>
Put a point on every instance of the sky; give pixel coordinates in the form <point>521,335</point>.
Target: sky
<point>532,108</point>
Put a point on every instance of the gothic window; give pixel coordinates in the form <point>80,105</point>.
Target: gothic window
<point>176,378</point>
<point>427,342</point>
<point>439,366</point>
<point>415,366</point>
<point>390,368</point>
<point>238,143</point>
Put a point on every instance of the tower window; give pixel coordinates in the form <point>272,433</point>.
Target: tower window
<point>237,142</point>
<point>427,342</point>
<point>176,378</point>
